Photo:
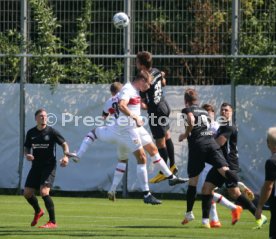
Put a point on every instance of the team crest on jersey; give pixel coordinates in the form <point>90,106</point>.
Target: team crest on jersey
<point>46,138</point>
<point>136,141</point>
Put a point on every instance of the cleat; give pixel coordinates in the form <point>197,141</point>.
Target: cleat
<point>205,225</point>
<point>260,222</point>
<point>49,225</point>
<point>174,169</point>
<point>175,180</point>
<point>236,214</point>
<point>150,199</point>
<point>111,196</point>
<point>158,178</point>
<point>73,156</point>
<point>246,191</point>
<point>215,224</point>
<point>189,216</point>
<point>36,217</point>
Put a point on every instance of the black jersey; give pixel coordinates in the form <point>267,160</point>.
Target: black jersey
<point>229,149</point>
<point>270,173</point>
<point>154,95</point>
<point>201,127</point>
<point>42,143</point>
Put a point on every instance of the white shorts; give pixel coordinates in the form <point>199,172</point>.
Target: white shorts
<point>130,139</point>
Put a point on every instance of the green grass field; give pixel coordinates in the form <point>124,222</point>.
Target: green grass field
<point>126,218</point>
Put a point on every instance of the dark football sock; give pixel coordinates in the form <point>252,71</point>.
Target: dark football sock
<point>246,204</point>
<point>34,203</point>
<point>191,196</point>
<point>170,150</point>
<point>50,208</point>
<point>164,154</point>
<point>206,205</point>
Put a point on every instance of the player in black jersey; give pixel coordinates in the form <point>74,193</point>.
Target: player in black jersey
<point>268,192</point>
<point>202,148</point>
<point>227,138</point>
<point>40,145</point>
<point>158,111</point>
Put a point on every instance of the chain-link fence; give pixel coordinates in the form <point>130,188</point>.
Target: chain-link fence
<point>192,41</point>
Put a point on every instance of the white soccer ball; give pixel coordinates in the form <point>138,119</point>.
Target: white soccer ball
<point>120,20</point>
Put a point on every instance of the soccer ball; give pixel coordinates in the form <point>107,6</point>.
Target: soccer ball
<point>120,20</point>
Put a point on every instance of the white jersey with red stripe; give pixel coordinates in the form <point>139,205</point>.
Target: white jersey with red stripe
<point>130,94</point>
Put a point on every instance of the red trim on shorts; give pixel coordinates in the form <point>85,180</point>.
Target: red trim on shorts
<point>219,199</point>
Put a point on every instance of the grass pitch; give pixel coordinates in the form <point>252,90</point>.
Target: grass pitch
<point>126,218</point>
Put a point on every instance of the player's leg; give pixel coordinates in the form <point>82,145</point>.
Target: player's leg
<point>119,172</point>
<point>246,191</point>
<point>32,182</point>
<point>170,150</point>
<point>47,181</point>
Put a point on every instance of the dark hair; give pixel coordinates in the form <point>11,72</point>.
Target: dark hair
<point>39,111</point>
<point>144,58</point>
<point>208,107</point>
<point>190,96</point>
<point>224,104</point>
<point>146,76</point>
<point>115,87</point>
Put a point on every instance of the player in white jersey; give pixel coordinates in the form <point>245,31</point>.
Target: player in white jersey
<point>129,132</point>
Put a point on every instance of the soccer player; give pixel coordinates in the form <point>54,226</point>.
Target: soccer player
<point>129,132</point>
<point>202,149</point>
<point>158,112</point>
<point>268,191</point>
<point>40,146</point>
<point>217,198</point>
<point>226,138</point>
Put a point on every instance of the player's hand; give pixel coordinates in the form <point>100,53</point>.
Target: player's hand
<point>64,161</point>
<point>182,137</point>
<point>29,157</point>
<point>258,213</point>
<point>139,122</point>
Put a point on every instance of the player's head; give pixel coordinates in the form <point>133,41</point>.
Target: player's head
<point>142,81</point>
<point>190,97</point>
<point>210,109</point>
<point>271,139</point>
<point>226,110</point>
<point>143,60</point>
<point>115,88</point>
<point>41,117</point>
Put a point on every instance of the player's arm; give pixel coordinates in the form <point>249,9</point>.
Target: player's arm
<point>125,110</point>
<point>27,153</point>
<point>221,140</point>
<point>224,135</point>
<point>163,81</point>
<point>144,106</point>
<point>189,127</point>
<point>264,196</point>
<point>64,161</point>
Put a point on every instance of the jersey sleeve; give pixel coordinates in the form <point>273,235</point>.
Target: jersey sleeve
<point>124,94</point>
<point>270,170</point>
<point>58,137</point>
<point>28,143</point>
<point>186,111</point>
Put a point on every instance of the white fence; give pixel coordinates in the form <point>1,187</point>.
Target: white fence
<point>73,107</point>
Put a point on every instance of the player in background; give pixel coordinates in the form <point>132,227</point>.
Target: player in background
<point>154,102</point>
<point>40,146</point>
<point>217,198</point>
<point>268,191</point>
<point>226,138</point>
<point>129,132</point>
<point>202,149</point>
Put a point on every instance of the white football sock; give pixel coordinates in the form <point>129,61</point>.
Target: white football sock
<point>87,141</point>
<point>118,175</point>
<point>218,198</point>
<point>160,164</point>
<point>142,175</point>
<point>213,212</point>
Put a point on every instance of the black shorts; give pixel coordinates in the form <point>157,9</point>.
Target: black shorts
<point>204,152</point>
<point>39,176</point>
<point>159,120</point>
<point>218,180</point>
